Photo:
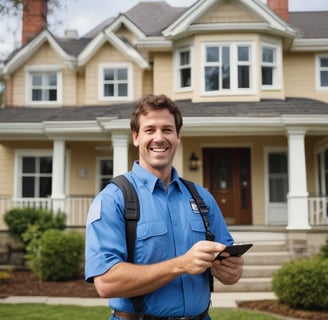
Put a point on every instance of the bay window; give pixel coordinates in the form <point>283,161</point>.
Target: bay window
<point>228,68</point>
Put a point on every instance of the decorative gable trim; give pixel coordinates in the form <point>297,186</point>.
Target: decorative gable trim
<point>122,19</point>
<point>32,47</point>
<point>268,19</point>
<point>128,51</point>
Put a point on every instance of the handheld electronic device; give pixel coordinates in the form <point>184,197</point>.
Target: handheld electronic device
<point>235,250</point>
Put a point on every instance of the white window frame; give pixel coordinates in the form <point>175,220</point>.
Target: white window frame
<point>19,154</point>
<point>234,63</point>
<point>276,66</point>
<point>179,67</point>
<point>101,93</point>
<point>318,69</point>
<point>43,69</point>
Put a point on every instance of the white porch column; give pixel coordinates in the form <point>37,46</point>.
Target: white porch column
<point>58,176</point>
<point>120,142</point>
<point>297,195</point>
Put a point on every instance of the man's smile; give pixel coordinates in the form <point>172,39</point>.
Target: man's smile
<point>159,150</point>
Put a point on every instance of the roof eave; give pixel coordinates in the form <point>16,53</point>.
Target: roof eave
<point>29,50</point>
<point>313,45</point>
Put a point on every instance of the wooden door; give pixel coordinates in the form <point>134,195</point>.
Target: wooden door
<point>226,174</point>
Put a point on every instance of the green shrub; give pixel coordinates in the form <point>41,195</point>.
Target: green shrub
<point>18,221</point>
<point>323,253</point>
<point>56,255</point>
<point>302,284</point>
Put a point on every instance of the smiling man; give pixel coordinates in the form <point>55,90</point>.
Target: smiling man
<point>172,259</point>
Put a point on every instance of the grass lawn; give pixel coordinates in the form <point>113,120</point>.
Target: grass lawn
<point>66,312</point>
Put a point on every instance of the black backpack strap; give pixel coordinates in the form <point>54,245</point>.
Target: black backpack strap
<point>203,209</point>
<point>132,215</point>
<point>132,212</point>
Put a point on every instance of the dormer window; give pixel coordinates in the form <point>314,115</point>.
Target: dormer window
<point>228,68</point>
<point>115,81</point>
<point>44,85</point>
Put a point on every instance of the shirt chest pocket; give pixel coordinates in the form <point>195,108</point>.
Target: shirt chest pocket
<point>152,241</point>
<point>198,229</point>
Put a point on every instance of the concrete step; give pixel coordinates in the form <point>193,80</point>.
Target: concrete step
<point>259,271</point>
<point>245,285</point>
<point>269,246</point>
<point>267,258</point>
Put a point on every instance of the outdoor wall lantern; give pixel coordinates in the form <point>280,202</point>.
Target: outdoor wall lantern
<point>193,162</point>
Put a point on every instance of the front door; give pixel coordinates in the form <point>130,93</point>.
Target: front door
<point>227,177</point>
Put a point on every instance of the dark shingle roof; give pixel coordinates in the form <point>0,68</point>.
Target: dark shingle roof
<point>265,108</point>
<point>312,24</point>
<point>153,17</point>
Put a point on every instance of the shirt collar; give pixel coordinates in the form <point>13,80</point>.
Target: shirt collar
<point>147,179</point>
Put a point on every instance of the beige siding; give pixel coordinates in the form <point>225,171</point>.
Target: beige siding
<point>82,156</point>
<point>44,56</point>
<point>163,77</point>
<point>226,12</point>
<point>299,76</point>
<point>6,170</point>
<point>108,54</point>
<point>7,160</point>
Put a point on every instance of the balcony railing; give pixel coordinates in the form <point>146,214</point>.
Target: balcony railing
<point>76,208</point>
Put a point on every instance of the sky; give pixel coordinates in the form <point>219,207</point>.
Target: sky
<point>84,15</point>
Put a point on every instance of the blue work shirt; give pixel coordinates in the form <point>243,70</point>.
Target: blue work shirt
<point>168,227</point>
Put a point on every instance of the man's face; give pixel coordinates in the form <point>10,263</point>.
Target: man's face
<point>157,140</point>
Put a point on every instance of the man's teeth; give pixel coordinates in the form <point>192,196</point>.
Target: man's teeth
<point>159,150</point>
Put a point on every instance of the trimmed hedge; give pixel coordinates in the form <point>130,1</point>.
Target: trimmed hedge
<point>19,220</point>
<point>302,284</point>
<point>56,255</point>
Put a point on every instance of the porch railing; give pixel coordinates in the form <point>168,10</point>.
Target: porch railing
<point>76,208</point>
<point>317,210</point>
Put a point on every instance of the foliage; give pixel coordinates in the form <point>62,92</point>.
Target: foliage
<point>54,312</point>
<point>56,255</point>
<point>303,284</point>
<point>323,253</point>
<point>18,221</point>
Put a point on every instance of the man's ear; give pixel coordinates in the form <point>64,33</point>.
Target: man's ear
<point>135,138</point>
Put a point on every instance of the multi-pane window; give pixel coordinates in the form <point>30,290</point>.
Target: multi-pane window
<point>322,70</point>
<point>115,81</point>
<point>269,66</point>
<point>244,66</point>
<point>184,68</point>
<point>278,177</point>
<point>44,87</point>
<point>227,68</point>
<point>105,172</point>
<point>36,176</point>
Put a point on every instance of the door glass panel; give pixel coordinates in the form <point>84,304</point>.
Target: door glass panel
<point>278,177</point>
<point>244,179</point>
<point>221,179</point>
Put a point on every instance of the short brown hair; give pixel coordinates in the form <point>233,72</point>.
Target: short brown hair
<point>155,102</point>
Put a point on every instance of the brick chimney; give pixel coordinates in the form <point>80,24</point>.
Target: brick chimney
<point>34,18</point>
<point>280,7</point>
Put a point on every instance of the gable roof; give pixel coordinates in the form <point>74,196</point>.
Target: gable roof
<point>156,22</point>
<point>153,17</point>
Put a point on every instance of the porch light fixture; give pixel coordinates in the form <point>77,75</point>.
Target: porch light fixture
<point>193,162</point>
